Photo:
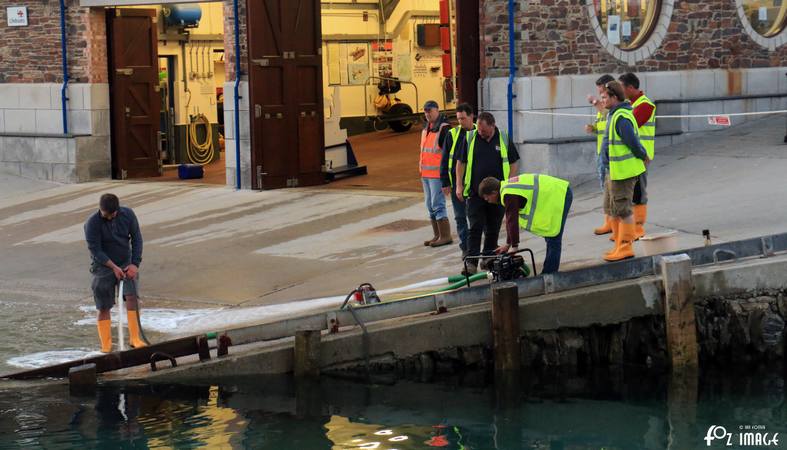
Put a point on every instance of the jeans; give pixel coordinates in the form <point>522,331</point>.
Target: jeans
<point>485,218</point>
<point>555,244</point>
<point>460,216</point>
<point>601,170</point>
<point>434,198</point>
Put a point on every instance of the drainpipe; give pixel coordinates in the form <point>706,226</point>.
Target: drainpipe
<point>64,88</point>
<point>511,68</point>
<point>237,96</point>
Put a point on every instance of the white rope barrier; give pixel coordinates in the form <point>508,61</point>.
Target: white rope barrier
<point>669,116</point>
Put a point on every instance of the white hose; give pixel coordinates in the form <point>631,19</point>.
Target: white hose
<point>121,318</point>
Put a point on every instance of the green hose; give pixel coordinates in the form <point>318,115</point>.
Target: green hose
<point>476,277</point>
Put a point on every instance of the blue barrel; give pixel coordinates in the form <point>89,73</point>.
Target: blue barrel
<point>185,15</point>
<point>190,171</point>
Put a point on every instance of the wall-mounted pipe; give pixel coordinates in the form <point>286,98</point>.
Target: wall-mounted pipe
<point>64,49</point>
<point>511,70</point>
<point>237,96</point>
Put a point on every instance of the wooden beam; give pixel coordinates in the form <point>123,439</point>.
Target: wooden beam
<point>679,312</point>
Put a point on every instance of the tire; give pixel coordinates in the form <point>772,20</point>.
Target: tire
<point>402,109</point>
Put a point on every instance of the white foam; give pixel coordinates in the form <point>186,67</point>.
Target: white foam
<point>52,357</point>
<point>160,320</point>
<point>187,321</point>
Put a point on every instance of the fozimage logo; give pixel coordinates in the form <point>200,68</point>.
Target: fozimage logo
<point>746,435</point>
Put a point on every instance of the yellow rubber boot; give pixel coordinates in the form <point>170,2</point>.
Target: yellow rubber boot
<point>133,330</point>
<point>640,214</point>
<point>105,335</point>
<point>606,228</point>
<point>626,247</point>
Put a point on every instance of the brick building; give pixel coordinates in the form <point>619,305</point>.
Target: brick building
<point>693,57</point>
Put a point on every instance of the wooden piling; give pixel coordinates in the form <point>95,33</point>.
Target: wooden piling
<point>505,327</point>
<point>307,353</point>
<point>82,379</point>
<point>679,317</point>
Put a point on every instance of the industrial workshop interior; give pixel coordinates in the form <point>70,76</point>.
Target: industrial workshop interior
<point>381,60</point>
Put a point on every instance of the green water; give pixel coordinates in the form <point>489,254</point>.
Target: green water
<point>605,410</point>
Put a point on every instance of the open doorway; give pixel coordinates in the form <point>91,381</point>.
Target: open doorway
<point>381,63</point>
<point>166,66</point>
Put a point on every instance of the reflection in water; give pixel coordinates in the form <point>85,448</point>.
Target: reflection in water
<point>608,410</point>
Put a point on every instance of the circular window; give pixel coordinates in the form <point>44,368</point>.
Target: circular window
<point>766,16</point>
<point>627,24</point>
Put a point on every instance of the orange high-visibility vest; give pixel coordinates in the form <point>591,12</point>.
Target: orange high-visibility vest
<point>431,152</point>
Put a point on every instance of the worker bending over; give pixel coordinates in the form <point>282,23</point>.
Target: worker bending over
<point>537,203</point>
<point>115,243</point>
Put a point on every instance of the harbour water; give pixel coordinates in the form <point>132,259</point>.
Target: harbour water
<point>601,410</point>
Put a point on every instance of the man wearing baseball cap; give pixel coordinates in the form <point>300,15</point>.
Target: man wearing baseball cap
<point>432,141</point>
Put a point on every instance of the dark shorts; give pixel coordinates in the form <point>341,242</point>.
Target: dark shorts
<point>621,192</point>
<point>104,287</point>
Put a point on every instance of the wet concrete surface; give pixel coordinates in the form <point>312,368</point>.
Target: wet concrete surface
<point>213,246</point>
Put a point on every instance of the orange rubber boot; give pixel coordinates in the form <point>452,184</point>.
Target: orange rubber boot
<point>616,235</point>
<point>133,330</point>
<point>626,248</point>
<point>606,228</point>
<point>105,335</point>
<point>615,228</point>
<point>640,215</point>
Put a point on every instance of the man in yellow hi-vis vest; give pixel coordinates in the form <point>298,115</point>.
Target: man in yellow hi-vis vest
<point>488,153</point>
<point>644,111</point>
<point>454,142</point>
<point>537,203</point>
<point>626,158</point>
<point>598,128</point>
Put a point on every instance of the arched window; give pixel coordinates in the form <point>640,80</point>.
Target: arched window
<point>766,17</point>
<point>627,23</point>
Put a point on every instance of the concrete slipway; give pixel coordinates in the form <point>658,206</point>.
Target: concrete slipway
<point>210,246</point>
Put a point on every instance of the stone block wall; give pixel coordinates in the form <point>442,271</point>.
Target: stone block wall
<point>32,54</point>
<point>230,138</point>
<point>558,37</point>
<point>32,143</point>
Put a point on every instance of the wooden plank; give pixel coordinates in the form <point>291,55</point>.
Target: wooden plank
<point>307,353</point>
<point>117,360</point>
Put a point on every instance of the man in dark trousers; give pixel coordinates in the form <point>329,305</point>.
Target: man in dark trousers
<point>488,153</point>
<point>454,142</point>
<point>537,203</point>
<point>115,243</point>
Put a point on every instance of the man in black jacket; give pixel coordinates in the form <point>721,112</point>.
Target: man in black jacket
<point>115,243</point>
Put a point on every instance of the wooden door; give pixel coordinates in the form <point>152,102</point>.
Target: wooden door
<point>285,77</point>
<point>134,97</point>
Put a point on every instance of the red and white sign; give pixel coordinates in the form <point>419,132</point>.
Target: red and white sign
<point>17,16</point>
<point>723,121</point>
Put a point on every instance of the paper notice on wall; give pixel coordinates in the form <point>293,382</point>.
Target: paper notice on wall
<point>334,65</point>
<point>626,29</point>
<point>763,14</point>
<point>613,29</point>
<point>404,67</point>
<point>343,73</point>
<point>359,73</point>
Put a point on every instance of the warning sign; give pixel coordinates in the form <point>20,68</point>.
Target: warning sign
<point>723,121</point>
<point>17,16</point>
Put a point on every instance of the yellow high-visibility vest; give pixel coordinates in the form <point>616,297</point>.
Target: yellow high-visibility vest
<point>647,132</point>
<point>546,200</point>
<point>470,150</point>
<point>622,162</point>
